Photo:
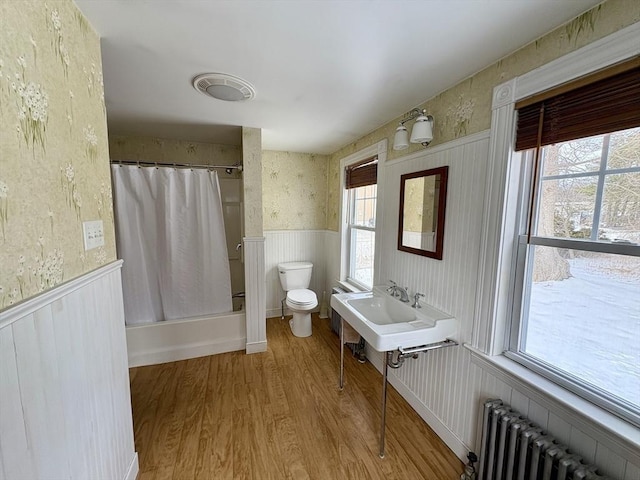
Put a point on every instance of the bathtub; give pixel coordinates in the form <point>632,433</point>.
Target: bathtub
<point>160,342</point>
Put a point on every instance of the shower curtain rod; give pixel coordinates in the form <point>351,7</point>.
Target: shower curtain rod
<point>175,165</point>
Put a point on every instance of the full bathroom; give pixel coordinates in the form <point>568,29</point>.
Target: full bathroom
<point>319,240</point>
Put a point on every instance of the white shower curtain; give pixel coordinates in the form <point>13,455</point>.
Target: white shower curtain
<point>170,234</point>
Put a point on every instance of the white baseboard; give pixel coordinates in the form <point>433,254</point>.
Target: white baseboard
<point>277,312</point>
<point>132,473</point>
<point>184,352</point>
<point>256,347</point>
<point>446,435</point>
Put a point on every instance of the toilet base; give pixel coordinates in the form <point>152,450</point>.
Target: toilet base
<point>301,324</point>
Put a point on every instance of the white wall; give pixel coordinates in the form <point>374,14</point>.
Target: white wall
<point>65,407</point>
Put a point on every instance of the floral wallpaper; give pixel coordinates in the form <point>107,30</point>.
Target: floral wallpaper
<point>252,181</point>
<point>294,189</point>
<point>54,167</point>
<point>419,197</point>
<point>465,108</point>
<point>168,151</point>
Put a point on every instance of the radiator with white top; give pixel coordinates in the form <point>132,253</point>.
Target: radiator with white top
<point>514,448</point>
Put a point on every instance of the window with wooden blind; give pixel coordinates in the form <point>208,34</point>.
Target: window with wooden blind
<point>576,312</point>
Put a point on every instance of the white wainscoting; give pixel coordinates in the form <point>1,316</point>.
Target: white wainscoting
<point>332,261</point>
<point>65,407</point>
<point>445,386</point>
<point>294,246</point>
<point>254,274</point>
<point>436,384</point>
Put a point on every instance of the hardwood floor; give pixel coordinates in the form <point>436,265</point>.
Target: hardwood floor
<point>278,415</point>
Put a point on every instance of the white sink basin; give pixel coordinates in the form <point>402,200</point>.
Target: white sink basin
<point>386,323</point>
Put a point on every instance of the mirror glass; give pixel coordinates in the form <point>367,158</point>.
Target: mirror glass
<point>423,197</point>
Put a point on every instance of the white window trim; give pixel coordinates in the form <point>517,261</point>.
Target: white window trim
<point>494,301</point>
<point>379,149</point>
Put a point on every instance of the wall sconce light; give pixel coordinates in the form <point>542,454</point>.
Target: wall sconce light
<point>422,131</point>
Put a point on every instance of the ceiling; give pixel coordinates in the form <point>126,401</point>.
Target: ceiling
<point>325,72</point>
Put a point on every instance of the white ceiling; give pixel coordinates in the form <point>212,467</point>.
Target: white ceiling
<point>326,72</point>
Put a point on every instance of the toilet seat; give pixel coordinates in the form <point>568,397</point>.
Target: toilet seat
<point>301,298</point>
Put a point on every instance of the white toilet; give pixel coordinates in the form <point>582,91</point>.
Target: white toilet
<point>295,278</point>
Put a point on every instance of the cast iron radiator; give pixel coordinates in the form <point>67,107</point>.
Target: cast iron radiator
<point>514,448</point>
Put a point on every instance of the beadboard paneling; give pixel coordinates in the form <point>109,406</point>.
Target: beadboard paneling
<point>66,408</point>
<point>332,260</point>
<point>254,258</point>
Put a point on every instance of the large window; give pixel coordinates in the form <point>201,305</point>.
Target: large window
<point>576,316</point>
<point>361,188</point>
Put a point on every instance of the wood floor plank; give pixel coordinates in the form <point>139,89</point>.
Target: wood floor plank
<point>278,415</point>
<point>215,447</point>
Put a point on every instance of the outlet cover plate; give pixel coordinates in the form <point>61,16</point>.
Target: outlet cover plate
<point>93,234</point>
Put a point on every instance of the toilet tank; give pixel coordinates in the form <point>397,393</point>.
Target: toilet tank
<point>295,275</point>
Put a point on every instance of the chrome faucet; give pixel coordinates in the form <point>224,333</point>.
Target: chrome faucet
<point>404,296</point>
<point>416,300</point>
<point>398,292</point>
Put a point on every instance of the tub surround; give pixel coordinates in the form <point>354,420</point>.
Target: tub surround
<point>175,340</point>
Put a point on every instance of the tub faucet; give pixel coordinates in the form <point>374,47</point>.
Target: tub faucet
<point>392,289</point>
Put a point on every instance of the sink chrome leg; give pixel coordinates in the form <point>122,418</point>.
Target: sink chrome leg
<point>385,362</point>
<point>341,353</point>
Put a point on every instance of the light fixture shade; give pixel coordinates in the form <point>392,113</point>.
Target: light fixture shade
<point>422,131</point>
<point>401,140</point>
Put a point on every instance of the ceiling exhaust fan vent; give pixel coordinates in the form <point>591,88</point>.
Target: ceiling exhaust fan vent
<point>224,87</point>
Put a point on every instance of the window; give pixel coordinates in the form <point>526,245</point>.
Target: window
<point>362,226</point>
<point>576,315</point>
<point>361,188</point>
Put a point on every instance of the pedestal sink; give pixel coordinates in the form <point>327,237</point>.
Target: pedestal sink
<point>387,324</point>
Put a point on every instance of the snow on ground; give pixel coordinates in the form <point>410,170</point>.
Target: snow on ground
<point>589,324</point>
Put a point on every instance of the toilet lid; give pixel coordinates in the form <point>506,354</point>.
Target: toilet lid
<point>301,296</point>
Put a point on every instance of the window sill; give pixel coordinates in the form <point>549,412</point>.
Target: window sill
<point>616,433</point>
<point>350,287</point>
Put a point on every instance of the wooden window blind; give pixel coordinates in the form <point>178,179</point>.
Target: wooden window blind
<point>362,173</point>
<point>582,108</point>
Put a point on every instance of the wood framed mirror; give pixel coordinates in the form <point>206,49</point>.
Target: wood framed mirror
<point>423,197</point>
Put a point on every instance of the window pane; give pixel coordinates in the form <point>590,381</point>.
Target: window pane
<point>584,317</point>
<point>362,253</point>
<point>576,156</point>
<point>620,215</point>
<point>624,149</point>
<point>566,207</point>
<point>364,206</point>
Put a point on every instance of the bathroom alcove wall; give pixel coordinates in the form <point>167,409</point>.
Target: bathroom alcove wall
<point>294,198</point>
<point>168,151</point>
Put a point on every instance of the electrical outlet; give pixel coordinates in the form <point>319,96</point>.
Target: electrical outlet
<point>93,234</point>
